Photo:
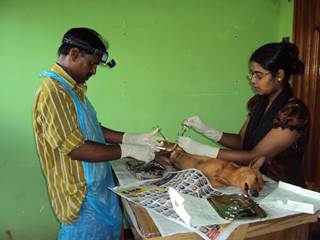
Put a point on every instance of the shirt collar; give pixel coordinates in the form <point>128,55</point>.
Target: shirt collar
<point>70,81</point>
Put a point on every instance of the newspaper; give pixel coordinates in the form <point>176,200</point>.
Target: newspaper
<point>154,195</point>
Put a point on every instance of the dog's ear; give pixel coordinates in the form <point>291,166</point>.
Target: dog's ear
<point>235,165</point>
<point>257,162</point>
<point>222,180</point>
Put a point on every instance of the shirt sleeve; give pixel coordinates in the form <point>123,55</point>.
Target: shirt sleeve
<point>294,115</point>
<point>59,119</point>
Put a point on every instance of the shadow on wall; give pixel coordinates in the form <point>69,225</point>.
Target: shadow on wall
<point>7,235</point>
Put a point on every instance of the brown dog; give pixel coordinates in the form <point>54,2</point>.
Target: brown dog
<point>222,172</point>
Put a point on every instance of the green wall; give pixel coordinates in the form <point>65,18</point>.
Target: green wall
<point>175,58</point>
<point>286,19</point>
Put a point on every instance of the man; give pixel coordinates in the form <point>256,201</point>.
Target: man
<point>74,149</point>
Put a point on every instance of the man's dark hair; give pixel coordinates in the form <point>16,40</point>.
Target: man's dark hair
<point>85,36</point>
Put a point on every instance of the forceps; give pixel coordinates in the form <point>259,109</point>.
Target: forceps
<point>180,134</point>
<point>183,130</point>
<point>165,140</point>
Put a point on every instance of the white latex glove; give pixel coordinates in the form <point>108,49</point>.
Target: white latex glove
<point>193,147</point>
<point>196,123</point>
<point>141,152</point>
<point>143,138</point>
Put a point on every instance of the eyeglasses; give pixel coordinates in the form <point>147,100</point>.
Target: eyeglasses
<point>257,75</point>
<point>103,55</point>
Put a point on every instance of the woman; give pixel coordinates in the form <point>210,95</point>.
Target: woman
<point>277,125</point>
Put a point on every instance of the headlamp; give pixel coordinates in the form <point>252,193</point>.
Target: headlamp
<point>81,44</point>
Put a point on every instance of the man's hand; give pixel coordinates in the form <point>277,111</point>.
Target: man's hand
<point>141,152</point>
<point>143,138</point>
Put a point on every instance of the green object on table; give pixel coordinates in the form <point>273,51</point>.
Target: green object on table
<point>236,206</point>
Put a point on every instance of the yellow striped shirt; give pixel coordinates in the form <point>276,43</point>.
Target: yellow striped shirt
<point>57,133</point>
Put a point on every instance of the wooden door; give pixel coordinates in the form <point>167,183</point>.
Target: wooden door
<point>306,31</point>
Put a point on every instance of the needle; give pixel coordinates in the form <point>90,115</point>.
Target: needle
<point>164,138</point>
<point>165,149</point>
<point>183,131</point>
<point>161,148</point>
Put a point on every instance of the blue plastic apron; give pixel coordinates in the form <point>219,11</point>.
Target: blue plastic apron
<point>100,214</point>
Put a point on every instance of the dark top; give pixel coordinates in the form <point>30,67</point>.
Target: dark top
<point>287,165</point>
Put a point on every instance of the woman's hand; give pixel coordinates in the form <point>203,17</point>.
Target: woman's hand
<point>197,124</point>
<point>193,147</point>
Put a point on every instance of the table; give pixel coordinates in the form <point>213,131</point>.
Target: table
<point>289,227</point>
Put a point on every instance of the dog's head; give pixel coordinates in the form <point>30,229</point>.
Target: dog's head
<point>248,178</point>
<point>251,177</point>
